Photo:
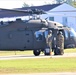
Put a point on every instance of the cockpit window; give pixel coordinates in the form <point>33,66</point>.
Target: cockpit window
<point>46,34</point>
<point>39,35</point>
<point>72,33</point>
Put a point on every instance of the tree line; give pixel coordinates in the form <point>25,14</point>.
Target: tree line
<point>70,2</point>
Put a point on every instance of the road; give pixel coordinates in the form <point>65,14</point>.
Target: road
<point>32,56</point>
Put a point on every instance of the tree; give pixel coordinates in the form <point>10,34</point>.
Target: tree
<point>25,5</point>
<point>70,2</point>
<point>74,3</point>
<point>60,1</point>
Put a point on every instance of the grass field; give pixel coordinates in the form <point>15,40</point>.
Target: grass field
<point>38,65</point>
<point>73,50</point>
<point>4,53</point>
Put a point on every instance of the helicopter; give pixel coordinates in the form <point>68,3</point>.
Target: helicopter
<point>21,35</point>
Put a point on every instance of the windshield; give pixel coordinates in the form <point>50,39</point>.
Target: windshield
<point>66,34</point>
<point>72,33</point>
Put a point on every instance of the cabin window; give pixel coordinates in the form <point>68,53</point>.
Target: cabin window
<point>46,34</point>
<point>39,35</point>
<point>51,18</point>
<point>1,22</point>
<point>66,35</point>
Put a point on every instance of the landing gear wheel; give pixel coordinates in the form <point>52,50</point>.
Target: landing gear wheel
<point>58,52</point>
<point>47,51</point>
<point>36,52</point>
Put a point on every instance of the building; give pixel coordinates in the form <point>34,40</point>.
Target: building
<point>65,18</point>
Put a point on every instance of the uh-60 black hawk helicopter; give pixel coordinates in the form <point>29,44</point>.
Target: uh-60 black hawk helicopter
<point>32,34</point>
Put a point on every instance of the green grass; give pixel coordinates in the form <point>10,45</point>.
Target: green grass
<point>73,50</point>
<point>38,65</point>
<point>4,53</point>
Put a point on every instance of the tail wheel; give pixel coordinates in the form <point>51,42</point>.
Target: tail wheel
<point>36,52</point>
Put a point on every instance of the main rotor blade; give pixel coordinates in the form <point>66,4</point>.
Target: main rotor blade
<point>15,10</point>
<point>29,11</point>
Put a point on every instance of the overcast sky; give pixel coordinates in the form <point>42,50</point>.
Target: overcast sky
<point>18,3</point>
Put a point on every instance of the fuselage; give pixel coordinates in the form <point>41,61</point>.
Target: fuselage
<point>30,35</point>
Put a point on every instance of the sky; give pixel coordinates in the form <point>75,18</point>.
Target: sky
<point>9,4</point>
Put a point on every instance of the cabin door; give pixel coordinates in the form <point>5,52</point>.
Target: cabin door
<point>28,39</point>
